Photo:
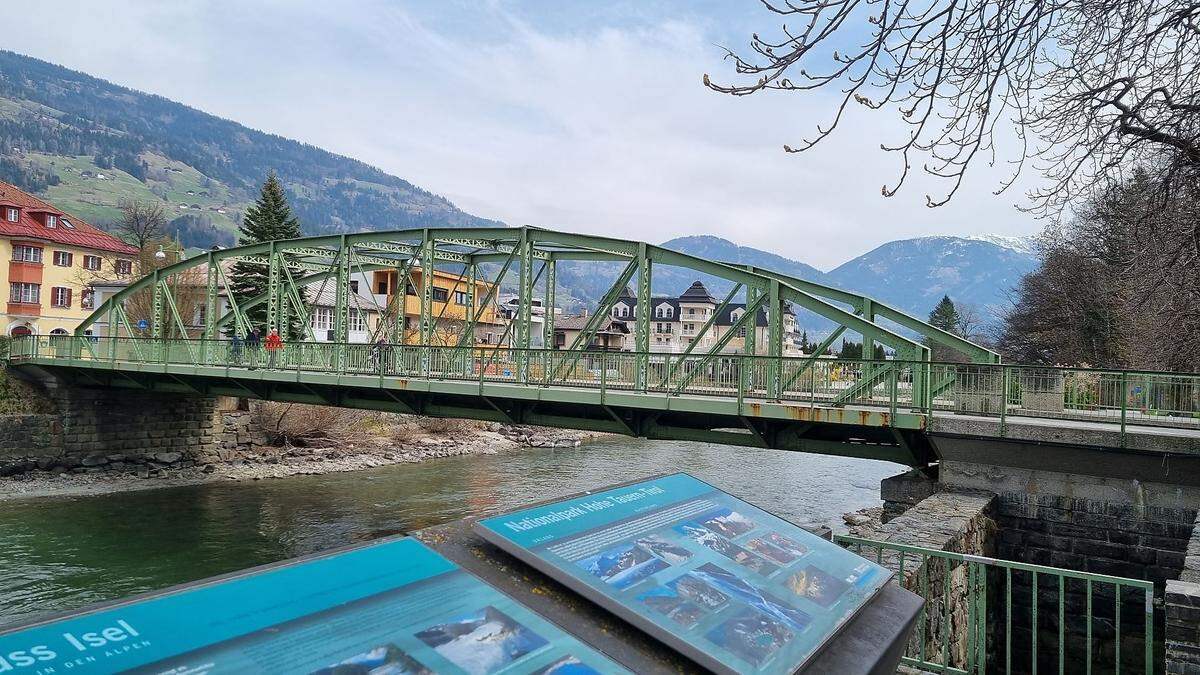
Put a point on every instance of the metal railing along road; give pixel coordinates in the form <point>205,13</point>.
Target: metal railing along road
<point>985,615</point>
<point>1118,397</point>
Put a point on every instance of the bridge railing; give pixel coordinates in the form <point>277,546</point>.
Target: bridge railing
<point>999,391</point>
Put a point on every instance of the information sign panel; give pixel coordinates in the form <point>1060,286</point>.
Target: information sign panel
<point>727,584</point>
<point>393,607</point>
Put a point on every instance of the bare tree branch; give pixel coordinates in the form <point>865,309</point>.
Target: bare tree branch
<point>1099,86</point>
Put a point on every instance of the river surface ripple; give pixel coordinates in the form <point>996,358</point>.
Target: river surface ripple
<point>62,553</point>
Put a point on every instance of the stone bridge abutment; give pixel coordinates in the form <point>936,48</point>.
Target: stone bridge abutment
<point>137,431</point>
<point>1126,515</point>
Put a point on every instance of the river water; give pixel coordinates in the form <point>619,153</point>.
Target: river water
<point>62,553</point>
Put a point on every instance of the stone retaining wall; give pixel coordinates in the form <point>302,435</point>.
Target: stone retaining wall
<point>1119,527</point>
<point>1182,608</point>
<point>1085,523</point>
<point>961,522</point>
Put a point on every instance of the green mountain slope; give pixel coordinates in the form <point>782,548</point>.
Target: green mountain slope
<point>60,130</point>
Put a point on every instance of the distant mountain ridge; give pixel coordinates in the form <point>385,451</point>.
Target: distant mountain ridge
<point>85,144</point>
<point>910,274</point>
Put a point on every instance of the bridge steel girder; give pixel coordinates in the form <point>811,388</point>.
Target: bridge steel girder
<point>474,246</point>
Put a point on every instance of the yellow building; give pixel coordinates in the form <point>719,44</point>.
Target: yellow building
<point>450,302</point>
<point>52,256</point>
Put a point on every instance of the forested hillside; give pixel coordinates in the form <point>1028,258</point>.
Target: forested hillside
<point>86,143</point>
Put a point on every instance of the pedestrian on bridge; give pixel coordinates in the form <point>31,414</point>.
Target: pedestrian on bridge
<point>274,345</point>
<point>235,349</point>
<point>253,343</point>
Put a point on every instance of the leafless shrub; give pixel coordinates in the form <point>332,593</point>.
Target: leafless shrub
<point>307,425</point>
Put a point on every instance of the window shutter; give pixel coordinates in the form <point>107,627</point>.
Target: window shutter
<point>69,293</point>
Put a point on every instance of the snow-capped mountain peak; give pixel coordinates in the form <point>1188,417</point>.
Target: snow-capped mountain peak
<point>1026,244</point>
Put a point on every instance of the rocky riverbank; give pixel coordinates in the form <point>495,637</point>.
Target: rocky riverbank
<point>99,472</point>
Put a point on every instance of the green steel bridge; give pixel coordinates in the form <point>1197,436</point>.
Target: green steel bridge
<point>168,331</point>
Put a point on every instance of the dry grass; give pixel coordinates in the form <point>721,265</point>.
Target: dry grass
<point>407,428</point>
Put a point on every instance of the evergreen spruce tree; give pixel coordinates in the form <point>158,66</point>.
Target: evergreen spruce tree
<point>945,316</point>
<point>269,219</point>
<point>851,351</point>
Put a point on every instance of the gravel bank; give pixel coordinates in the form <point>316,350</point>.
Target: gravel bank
<point>271,462</point>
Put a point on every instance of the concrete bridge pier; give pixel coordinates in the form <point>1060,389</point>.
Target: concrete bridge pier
<point>1099,510</point>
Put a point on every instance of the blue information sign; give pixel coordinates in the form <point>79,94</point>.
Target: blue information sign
<point>143,324</point>
<point>393,607</point>
<point>728,585</point>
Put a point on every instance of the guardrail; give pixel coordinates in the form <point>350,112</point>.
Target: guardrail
<point>1000,391</point>
<point>984,615</point>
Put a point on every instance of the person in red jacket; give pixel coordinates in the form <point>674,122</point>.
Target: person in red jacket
<point>273,344</point>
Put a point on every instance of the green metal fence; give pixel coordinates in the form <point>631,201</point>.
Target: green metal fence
<point>1121,398</point>
<point>984,615</point>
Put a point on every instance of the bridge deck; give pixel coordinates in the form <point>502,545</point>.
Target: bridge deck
<point>826,400</point>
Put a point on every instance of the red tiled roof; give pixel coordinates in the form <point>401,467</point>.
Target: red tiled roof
<point>82,234</point>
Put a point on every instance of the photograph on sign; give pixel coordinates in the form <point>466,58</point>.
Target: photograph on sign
<point>395,607</point>
<point>730,586</point>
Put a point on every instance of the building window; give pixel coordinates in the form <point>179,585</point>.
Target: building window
<point>322,318</point>
<point>91,262</point>
<point>358,320</point>
<point>409,289</point>
<point>66,223</point>
<point>60,297</point>
<point>62,258</point>
<point>87,300</point>
<point>14,215</point>
<point>383,287</point>
<point>461,298</point>
<point>29,254</point>
<point>440,294</point>
<point>123,267</point>
<point>51,220</point>
<point>354,285</point>
<point>24,292</point>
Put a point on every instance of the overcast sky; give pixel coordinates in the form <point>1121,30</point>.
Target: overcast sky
<point>585,116</point>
